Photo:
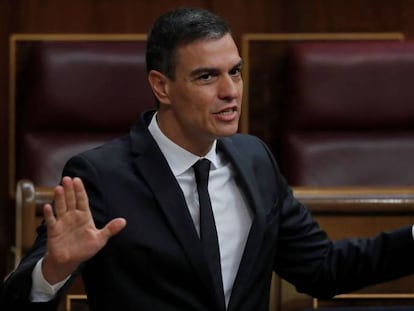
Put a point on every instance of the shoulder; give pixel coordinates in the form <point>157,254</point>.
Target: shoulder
<point>110,147</point>
<point>250,152</point>
<point>108,153</point>
<point>243,139</point>
<point>248,144</point>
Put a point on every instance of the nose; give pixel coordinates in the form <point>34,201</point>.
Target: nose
<point>229,87</point>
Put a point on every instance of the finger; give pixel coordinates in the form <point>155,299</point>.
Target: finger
<point>48,214</point>
<point>70,197</point>
<point>113,227</point>
<point>80,194</point>
<point>60,202</point>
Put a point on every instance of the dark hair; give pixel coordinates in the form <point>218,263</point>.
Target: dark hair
<point>177,27</point>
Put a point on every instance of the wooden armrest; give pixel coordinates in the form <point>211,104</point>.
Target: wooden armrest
<point>29,202</point>
<point>357,200</point>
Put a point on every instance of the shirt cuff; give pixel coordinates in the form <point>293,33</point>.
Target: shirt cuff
<point>42,291</point>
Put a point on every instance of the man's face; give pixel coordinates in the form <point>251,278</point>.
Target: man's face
<point>204,100</point>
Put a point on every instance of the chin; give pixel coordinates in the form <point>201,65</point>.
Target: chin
<point>228,132</point>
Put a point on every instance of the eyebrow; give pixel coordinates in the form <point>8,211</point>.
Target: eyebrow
<point>196,72</point>
<point>239,64</point>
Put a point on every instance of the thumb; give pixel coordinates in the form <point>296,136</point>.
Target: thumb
<point>113,227</point>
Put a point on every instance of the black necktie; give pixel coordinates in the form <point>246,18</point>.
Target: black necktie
<point>208,232</point>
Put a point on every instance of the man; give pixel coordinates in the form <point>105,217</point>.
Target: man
<point>135,234</point>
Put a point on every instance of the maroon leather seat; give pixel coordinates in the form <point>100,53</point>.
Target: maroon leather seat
<point>73,95</point>
<point>349,117</point>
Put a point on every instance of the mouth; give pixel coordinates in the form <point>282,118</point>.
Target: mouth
<point>228,114</point>
<point>227,111</point>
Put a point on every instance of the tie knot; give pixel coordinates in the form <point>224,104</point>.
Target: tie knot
<point>202,170</point>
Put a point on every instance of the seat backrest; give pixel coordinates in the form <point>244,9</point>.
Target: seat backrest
<point>349,117</point>
<point>348,121</point>
<point>70,93</point>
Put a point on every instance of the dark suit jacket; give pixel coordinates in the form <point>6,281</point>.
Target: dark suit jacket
<point>156,262</point>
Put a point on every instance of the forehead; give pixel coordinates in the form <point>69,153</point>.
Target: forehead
<point>213,53</point>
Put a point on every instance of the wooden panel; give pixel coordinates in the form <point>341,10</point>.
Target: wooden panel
<point>6,213</point>
<point>344,15</point>
<point>91,16</point>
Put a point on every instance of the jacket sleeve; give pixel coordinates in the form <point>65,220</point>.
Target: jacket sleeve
<point>15,289</point>
<point>308,259</point>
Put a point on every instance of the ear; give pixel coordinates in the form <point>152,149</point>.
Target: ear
<point>159,85</point>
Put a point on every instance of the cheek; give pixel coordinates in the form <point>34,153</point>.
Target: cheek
<point>202,98</point>
<point>194,99</point>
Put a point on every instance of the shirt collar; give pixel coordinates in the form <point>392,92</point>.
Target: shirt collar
<point>179,159</point>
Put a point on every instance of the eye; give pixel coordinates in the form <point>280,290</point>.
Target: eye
<point>235,72</point>
<point>205,77</point>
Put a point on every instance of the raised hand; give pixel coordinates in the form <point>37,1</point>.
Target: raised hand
<point>71,233</point>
